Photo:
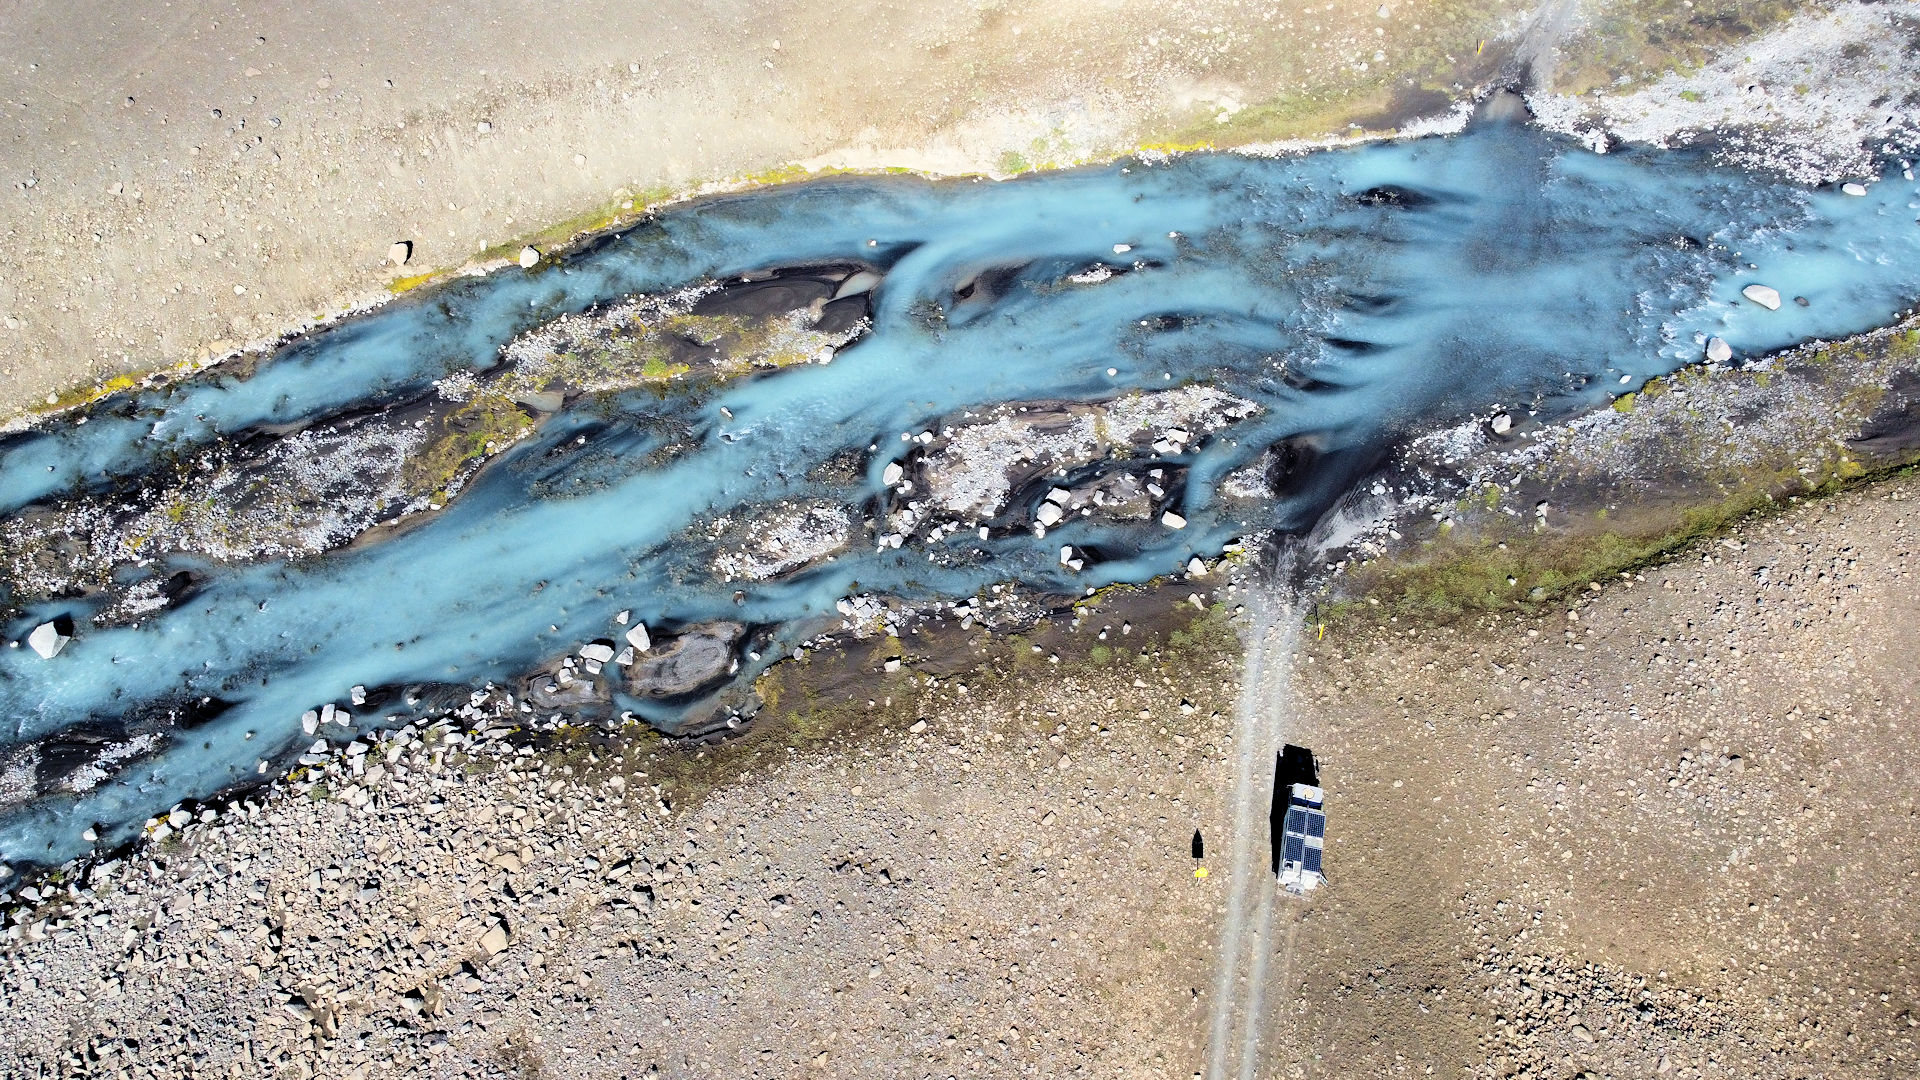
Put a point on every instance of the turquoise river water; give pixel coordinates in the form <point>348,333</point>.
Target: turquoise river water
<point>1359,297</point>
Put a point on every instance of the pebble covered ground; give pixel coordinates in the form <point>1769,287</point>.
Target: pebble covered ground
<point>936,893</point>
<point>1668,831</point>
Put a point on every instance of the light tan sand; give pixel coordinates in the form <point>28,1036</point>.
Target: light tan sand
<point>155,160</point>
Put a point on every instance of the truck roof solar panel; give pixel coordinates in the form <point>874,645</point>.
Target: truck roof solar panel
<point>1302,839</point>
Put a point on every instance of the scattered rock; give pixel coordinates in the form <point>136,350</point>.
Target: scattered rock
<point>1765,295</point>
<point>1172,520</point>
<point>400,252</point>
<point>892,474</point>
<point>1854,188</point>
<point>637,637</point>
<point>555,687</point>
<point>529,256</point>
<point>1501,423</point>
<point>1718,351</point>
<point>598,651</point>
<point>495,940</point>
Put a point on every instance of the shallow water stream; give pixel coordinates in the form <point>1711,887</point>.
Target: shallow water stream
<point>1206,347</point>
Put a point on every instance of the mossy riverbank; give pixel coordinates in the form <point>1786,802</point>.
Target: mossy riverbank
<point>1672,467</point>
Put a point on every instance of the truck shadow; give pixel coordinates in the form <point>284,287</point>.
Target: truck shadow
<point>1293,765</point>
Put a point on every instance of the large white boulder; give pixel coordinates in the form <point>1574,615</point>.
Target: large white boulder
<point>49,638</point>
<point>1765,295</point>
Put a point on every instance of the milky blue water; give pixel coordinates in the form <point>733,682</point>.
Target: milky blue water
<point>1359,296</point>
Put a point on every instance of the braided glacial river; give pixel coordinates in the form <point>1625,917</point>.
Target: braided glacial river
<point>741,420</point>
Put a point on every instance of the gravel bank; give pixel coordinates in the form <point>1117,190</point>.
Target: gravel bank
<point>1673,829</point>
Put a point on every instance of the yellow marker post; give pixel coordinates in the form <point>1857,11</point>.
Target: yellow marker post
<point>1477,49</point>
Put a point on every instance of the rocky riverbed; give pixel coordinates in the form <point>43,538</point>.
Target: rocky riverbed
<point>1659,830</point>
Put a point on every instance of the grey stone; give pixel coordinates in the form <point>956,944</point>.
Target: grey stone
<point>553,687</point>
<point>545,401</point>
<point>693,659</point>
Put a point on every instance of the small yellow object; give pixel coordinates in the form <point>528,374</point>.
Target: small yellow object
<point>1323,632</point>
<point>1200,873</point>
<point>1477,48</point>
